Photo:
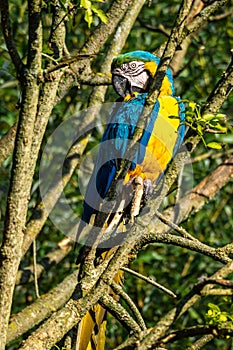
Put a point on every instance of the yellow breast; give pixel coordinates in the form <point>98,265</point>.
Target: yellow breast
<point>159,149</point>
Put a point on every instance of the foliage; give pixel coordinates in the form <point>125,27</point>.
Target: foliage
<point>215,123</point>
<point>216,316</point>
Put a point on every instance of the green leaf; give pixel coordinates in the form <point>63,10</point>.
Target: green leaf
<point>100,13</point>
<point>85,3</point>
<point>214,145</point>
<point>88,17</point>
<point>46,49</point>
<point>214,307</point>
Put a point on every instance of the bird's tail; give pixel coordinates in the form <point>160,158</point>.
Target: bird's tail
<point>92,328</point>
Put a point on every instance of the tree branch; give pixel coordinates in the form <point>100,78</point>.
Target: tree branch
<point>48,261</point>
<point>21,174</point>
<point>221,91</point>
<point>204,15</point>
<point>42,308</point>
<point>158,332</point>
<point>133,308</point>
<point>197,330</point>
<point>149,280</point>
<point>119,312</point>
<point>7,142</point>
<point>197,345</point>
<point>8,36</point>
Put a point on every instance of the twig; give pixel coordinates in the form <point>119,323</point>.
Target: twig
<point>218,281</point>
<point>204,15</point>
<point>197,345</point>
<point>149,280</point>
<point>197,330</point>
<point>194,245</point>
<point>219,292</point>
<point>133,308</point>
<point>47,262</point>
<point>221,91</point>
<point>8,35</point>
<point>220,17</point>
<point>117,310</point>
<point>177,228</point>
<point>35,270</point>
<point>159,29</point>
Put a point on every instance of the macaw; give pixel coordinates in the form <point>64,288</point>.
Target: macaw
<point>132,74</point>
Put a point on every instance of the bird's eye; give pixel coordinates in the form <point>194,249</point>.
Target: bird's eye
<point>133,65</point>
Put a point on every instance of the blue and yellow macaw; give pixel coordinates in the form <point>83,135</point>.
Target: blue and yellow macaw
<point>132,74</point>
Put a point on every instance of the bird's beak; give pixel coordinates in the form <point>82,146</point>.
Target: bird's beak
<point>120,84</point>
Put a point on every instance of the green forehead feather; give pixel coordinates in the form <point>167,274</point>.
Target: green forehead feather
<point>143,56</point>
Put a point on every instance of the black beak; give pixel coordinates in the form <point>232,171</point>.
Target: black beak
<point>120,85</point>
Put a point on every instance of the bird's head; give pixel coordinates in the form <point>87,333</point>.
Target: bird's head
<point>134,71</point>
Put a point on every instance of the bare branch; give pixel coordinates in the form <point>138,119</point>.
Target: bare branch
<point>7,32</point>
<point>149,280</point>
<point>221,91</point>
<point>133,308</point>
<point>7,143</point>
<point>197,345</point>
<point>175,227</point>
<point>197,330</point>
<point>117,310</point>
<point>186,243</point>
<point>204,15</point>
<point>47,262</point>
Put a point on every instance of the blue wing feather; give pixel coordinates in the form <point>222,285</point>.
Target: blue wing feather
<point>114,145</point>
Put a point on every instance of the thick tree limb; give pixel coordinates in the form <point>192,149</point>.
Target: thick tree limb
<point>42,308</point>
<point>118,311</point>
<point>21,176</point>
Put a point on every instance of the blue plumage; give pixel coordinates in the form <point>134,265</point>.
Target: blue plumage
<point>114,145</point>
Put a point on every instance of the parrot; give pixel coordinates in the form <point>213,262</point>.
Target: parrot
<point>163,134</point>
